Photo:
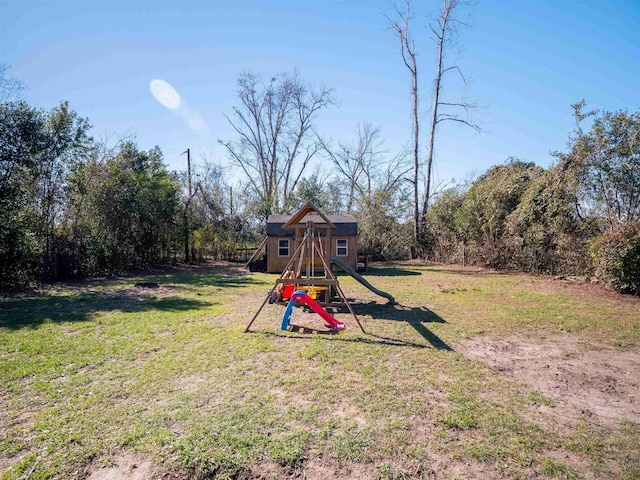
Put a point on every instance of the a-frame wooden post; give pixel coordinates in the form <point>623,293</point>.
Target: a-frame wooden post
<point>255,254</point>
<point>339,289</point>
<point>293,257</point>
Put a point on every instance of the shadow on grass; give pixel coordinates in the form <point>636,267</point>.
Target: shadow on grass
<point>414,316</point>
<point>213,278</point>
<point>31,312</point>
<point>391,271</point>
<point>194,276</point>
<point>467,271</point>
<point>334,337</point>
<point>30,309</point>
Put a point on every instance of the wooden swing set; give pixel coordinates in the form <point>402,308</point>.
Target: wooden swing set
<point>301,273</point>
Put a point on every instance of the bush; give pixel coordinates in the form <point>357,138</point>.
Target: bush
<point>443,238</point>
<point>545,232</point>
<point>380,233</point>
<point>19,256</point>
<point>481,220</point>
<point>616,258</point>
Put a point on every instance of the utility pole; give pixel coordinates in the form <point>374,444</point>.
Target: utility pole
<point>188,152</point>
<point>186,208</point>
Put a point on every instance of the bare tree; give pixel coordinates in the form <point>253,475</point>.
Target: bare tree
<point>367,169</point>
<point>357,162</point>
<point>274,123</point>
<point>8,86</point>
<point>444,31</point>
<point>400,24</point>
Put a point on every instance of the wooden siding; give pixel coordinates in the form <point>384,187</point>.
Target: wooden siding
<point>352,249</point>
<point>276,264</point>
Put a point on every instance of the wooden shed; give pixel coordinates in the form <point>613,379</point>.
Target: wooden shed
<point>338,236</point>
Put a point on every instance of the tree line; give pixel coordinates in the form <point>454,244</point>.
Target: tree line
<point>73,206</point>
<point>580,216</point>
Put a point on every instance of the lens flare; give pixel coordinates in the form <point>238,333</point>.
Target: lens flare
<point>164,93</point>
<point>193,120</point>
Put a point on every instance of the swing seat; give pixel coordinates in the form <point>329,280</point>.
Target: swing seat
<point>287,292</point>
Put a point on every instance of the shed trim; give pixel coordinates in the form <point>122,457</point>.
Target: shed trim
<point>306,209</point>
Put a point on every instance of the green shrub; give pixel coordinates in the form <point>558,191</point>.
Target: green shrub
<point>616,258</point>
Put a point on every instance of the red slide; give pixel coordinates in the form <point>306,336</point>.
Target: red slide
<point>302,297</point>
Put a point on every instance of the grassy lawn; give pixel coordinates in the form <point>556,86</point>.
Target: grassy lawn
<point>96,370</point>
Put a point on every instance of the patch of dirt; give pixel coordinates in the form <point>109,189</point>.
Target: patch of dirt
<point>343,410</point>
<point>24,420</point>
<point>312,469</point>
<point>317,468</point>
<point>580,287</point>
<point>437,466</point>
<point>22,423</point>
<point>123,467</point>
<point>269,471</point>
<point>582,379</point>
<point>140,293</point>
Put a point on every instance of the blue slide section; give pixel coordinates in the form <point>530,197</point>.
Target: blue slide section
<point>286,318</point>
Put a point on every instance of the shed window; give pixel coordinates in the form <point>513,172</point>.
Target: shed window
<point>342,247</point>
<point>283,247</point>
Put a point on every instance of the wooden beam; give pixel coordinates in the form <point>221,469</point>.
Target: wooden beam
<point>259,310</point>
<point>342,295</point>
<point>303,244</point>
<point>344,299</point>
<point>264,242</point>
<point>307,281</point>
<point>297,217</point>
<point>273,288</point>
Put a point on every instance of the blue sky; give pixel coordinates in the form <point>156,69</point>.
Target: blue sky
<point>526,62</point>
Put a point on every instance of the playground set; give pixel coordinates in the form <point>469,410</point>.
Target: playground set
<point>307,278</point>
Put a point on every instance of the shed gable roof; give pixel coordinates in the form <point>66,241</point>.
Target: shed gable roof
<point>306,209</point>
<point>345,225</point>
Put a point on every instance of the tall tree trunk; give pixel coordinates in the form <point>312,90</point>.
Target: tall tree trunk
<point>436,103</point>
<point>416,163</point>
<point>407,49</point>
<point>443,31</point>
